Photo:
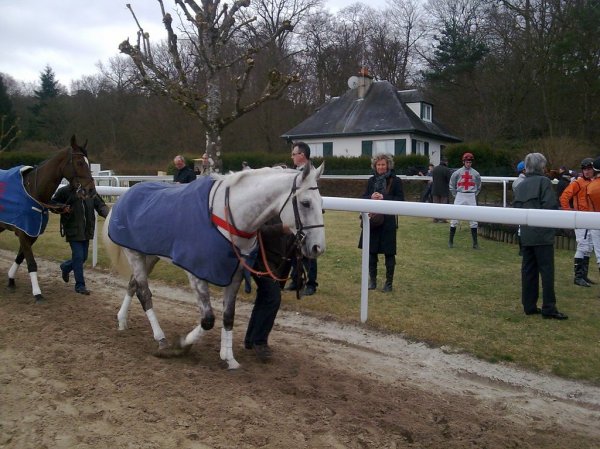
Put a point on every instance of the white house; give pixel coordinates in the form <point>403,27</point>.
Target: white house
<point>374,117</point>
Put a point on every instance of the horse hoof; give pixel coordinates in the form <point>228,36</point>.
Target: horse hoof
<point>11,283</point>
<point>39,299</point>
<point>163,344</point>
<point>232,364</point>
<point>122,325</point>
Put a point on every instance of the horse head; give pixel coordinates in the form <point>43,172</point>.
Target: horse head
<point>77,170</point>
<point>304,212</point>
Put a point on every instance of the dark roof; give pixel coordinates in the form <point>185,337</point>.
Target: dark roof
<point>381,111</point>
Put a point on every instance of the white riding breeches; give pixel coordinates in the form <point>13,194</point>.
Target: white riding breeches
<point>465,199</point>
<point>584,243</point>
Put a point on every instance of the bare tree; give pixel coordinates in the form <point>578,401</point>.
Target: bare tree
<point>213,58</point>
<point>409,24</point>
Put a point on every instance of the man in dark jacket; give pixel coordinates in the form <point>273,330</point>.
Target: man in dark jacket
<point>440,190</point>
<point>278,242</point>
<point>536,192</point>
<point>183,173</point>
<point>77,225</point>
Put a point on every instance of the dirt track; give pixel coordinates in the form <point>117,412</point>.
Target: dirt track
<point>69,379</point>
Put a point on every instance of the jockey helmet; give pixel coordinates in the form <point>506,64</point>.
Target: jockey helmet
<point>588,162</point>
<point>468,157</point>
<point>596,164</point>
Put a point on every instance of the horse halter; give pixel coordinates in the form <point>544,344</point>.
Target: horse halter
<point>75,179</point>
<point>300,227</point>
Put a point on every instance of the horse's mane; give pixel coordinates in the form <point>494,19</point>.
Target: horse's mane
<point>234,177</point>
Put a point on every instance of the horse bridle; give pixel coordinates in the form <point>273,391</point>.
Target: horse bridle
<point>299,237</point>
<point>77,186</point>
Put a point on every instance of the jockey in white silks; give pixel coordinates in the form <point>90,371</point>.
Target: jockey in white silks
<point>465,185</point>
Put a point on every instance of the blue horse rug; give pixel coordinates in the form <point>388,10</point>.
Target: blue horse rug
<point>17,207</point>
<point>174,221</point>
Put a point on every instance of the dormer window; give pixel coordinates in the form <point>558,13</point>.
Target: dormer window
<point>426,112</point>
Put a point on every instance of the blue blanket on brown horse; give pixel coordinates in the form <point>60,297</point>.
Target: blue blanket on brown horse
<point>17,208</point>
<point>174,221</point>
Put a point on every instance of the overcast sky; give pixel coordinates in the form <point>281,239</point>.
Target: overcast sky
<point>72,36</point>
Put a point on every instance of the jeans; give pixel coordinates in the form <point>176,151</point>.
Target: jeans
<point>79,254</point>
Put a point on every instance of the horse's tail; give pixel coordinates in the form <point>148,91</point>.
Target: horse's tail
<point>118,260</point>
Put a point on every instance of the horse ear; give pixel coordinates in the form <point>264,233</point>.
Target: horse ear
<point>320,170</point>
<point>306,170</point>
<point>73,141</point>
<point>85,144</point>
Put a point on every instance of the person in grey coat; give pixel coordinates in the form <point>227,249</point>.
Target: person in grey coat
<point>536,192</point>
<point>77,225</point>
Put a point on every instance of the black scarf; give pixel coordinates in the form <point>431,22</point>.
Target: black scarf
<point>380,181</point>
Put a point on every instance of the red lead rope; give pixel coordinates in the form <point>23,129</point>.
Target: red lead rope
<point>230,228</point>
<point>247,235</point>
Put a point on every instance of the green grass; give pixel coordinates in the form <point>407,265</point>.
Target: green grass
<point>459,298</point>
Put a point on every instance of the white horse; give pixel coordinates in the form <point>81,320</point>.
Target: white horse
<point>238,204</point>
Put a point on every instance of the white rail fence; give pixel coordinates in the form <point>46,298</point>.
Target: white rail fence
<point>531,217</point>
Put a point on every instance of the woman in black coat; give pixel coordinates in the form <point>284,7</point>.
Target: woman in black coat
<point>383,185</point>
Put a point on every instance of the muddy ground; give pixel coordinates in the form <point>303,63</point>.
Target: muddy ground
<point>69,379</point>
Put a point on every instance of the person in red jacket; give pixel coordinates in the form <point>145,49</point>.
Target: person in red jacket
<point>574,197</point>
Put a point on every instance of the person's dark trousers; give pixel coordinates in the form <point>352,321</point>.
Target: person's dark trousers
<point>310,266</point>
<point>372,271</point>
<point>311,271</point>
<point>538,261</point>
<point>79,254</point>
<point>264,312</point>
<point>390,264</point>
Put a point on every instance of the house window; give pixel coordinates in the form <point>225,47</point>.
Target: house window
<point>367,148</point>
<point>383,146</point>
<point>421,147</point>
<point>316,149</point>
<point>400,147</point>
<point>327,149</point>
<point>426,112</point>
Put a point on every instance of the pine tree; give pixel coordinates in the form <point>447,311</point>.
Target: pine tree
<point>9,130</point>
<point>47,114</point>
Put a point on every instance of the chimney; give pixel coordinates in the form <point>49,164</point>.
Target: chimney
<point>364,82</point>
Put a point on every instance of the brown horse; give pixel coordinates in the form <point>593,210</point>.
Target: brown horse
<point>40,183</point>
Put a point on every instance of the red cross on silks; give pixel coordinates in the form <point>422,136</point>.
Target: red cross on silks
<point>466,181</point>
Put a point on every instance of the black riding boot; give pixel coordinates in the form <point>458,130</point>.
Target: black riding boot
<point>451,238</point>
<point>372,271</point>
<point>474,236</point>
<point>390,265</point>
<point>578,269</point>
<point>585,270</point>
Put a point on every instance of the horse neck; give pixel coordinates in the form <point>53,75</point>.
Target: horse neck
<point>256,199</point>
<point>43,180</point>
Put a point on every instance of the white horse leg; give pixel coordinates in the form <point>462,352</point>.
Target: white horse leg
<point>229,297</point>
<point>227,349</point>
<point>35,285</point>
<point>140,264</point>
<point>157,332</point>
<point>12,272</point>
<point>123,312</point>
<point>192,337</point>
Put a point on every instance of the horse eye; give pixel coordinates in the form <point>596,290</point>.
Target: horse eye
<point>305,203</point>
